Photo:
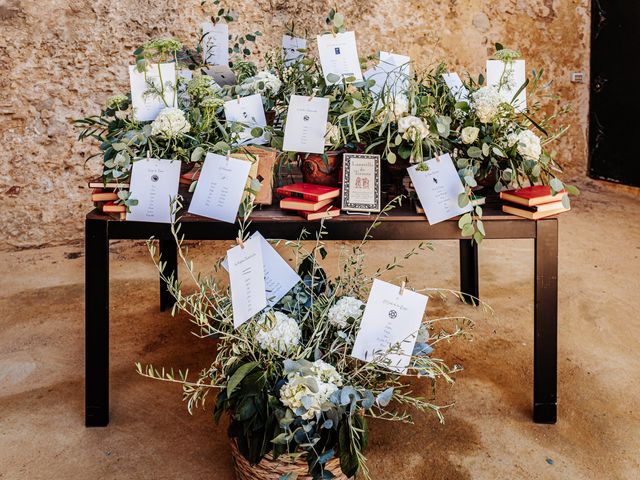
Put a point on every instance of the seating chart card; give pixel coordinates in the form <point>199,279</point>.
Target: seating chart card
<point>339,56</point>
<point>509,77</point>
<point>154,184</point>
<point>306,124</point>
<point>146,103</point>
<point>247,280</point>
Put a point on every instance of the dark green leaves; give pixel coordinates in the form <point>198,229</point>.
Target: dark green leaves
<point>238,375</point>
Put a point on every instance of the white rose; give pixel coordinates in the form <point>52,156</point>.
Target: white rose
<point>469,134</point>
<point>278,332</point>
<point>412,128</point>
<point>170,123</point>
<point>345,308</point>
<point>486,103</point>
<point>529,145</point>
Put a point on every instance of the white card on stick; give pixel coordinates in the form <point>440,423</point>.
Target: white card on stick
<point>390,318</point>
<point>146,104</point>
<point>509,77</point>
<point>220,187</point>
<point>339,55</point>
<point>247,280</point>
<point>457,88</point>
<point>291,48</point>
<point>438,188</point>
<point>154,184</point>
<point>306,124</point>
<point>279,277</point>
<point>215,41</point>
<point>249,111</point>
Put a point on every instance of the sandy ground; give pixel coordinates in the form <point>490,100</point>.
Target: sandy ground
<point>487,435</point>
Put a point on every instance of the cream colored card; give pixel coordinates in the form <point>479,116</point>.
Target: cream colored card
<point>246,277</point>
<point>292,49</point>
<point>306,124</point>
<point>152,90</point>
<point>339,55</point>
<point>509,77</point>
<point>249,112</point>
<point>389,326</point>
<point>215,41</point>
<point>154,184</point>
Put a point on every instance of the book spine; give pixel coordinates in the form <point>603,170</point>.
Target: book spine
<point>303,196</point>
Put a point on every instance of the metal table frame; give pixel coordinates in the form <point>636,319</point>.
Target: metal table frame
<point>274,223</point>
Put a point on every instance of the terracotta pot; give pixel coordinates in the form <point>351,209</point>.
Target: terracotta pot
<point>321,169</point>
<point>270,116</point>
<point>186,167</point>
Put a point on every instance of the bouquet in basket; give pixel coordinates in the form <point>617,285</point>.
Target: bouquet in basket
<point>298,401</point>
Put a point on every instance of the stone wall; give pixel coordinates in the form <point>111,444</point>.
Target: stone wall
<point>60,59</point>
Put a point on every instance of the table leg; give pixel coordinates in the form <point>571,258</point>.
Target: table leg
<point>169,254</point>
<point>545,322</point>
<point>96,323</point>
<point>469,270</point>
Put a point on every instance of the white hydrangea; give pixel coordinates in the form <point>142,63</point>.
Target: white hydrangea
<point>345,308</point>
<point>264,83</point>
<point>278,332</point>
<point>469,135</point>
<point>412,128</point>
<point>332,135</point>
<point>308,395</point>
<point>486,102</point>
<point>529,145</point>
<point>170,123</point>
<point>511,139</point>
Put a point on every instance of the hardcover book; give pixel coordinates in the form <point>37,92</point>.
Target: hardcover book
<point>308,191</point>
<point>325,212</point>
<point>302,205</point>
<point>530,196</point>
<point>534,213</point>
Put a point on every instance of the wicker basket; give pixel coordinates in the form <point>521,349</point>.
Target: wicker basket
<point>270,469</point>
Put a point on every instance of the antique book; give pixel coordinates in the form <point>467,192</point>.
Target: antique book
<point>325,212</point>
<point>302,205</point>
<point>266,165</point>
<point>98,182</point>
<point>308,191</point>
<point>535,213</point>
<point>112,207</point>
<point>530,196</point>
<point>100,195</point>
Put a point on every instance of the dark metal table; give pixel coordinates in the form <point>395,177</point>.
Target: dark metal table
<point>401,224</point>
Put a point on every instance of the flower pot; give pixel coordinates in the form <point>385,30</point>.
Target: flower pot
<point>270,116</point>
<point>186,167</point>
<point>393,175</point>
<point>321,171</point>
<point>270,469</point>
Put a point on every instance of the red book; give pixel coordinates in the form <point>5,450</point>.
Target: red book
<point>303,205</point>
<point>100,195</point>
<point>530,196</point>
<point>325,212</point>
<point>308,191</point>
<point>112,207</point>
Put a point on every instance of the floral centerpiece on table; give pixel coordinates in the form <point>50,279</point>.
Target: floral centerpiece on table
<point>286,378</point>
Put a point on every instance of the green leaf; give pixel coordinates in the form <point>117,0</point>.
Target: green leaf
<point>463,200</point>
<point>348,459</point>
<point>498,152</point>
<point>256,132</point>
<point>391,157</point>
<point>478,237</point>
<point>469,180</point>
<point>485,150</point>
<point>238,375</point>
<point>572,190</point>
<point>333,78</point>
<point>338,20</point>
<point>480,227</point>
<point>566,203</point>
<point>464,220</point>
<point>556,185</point>
<point>474,152</point>
<point>467,230</point>
<point>197,154</point>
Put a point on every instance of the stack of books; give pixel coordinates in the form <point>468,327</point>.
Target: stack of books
<point>312,202</point>
<point>534,202</point>
<point>104,196</point>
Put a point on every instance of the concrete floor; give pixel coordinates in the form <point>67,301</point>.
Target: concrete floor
<point>488,434</point>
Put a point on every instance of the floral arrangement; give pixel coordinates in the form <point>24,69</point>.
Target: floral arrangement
<point>286,378</point>
<point>413,117</point>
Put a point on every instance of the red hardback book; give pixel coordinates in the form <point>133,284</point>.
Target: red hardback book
<point>325,212</point>
<point>308,191</point>
<point>530,196</point>
<point>303,205</point>
<point>112,207</point>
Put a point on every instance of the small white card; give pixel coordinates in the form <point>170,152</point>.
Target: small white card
<point>146,104</point>
<point>457,88</point>
<point>389,319</point>
<point>438,189</point>
<point>339,55</point>
<point>248,111</point>
<point>215,42</point>
<point>306,124</point>
<point>154,183</point>
<point>279,277</point>
<point>291,49</point>
<point>247,280</point>
<point>509,77</point>
<point>220,187</point>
